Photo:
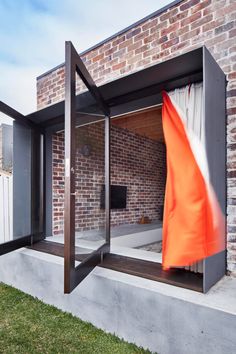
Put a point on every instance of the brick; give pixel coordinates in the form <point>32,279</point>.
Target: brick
<point>134,46</point>
<point>92,54</point>
<point>111,51</point>
<point>150,52</point>
<point>190,34</point>
<point>144,62</point>
<point>201,21</point>
<point>224,28</point>
<point>142,49</point>
<point>126,43</point>
<point>151,23</point>
<point>98,57</point>
<point>118,40</point>
<point>200,6</point>
<point>141,35</point>
<point>224,10</point>
<point>119,66</point>
<point>133,33</point>
<point>188,4</point>
<point>167,15</point>
<point>216,40</point>
<point>179,32</point>
<point>180,46</point>
<point>232,33</point>
<point>213,24</point>
<point>150,38</point>
<point>231,93</point>
<point>104,47</point>
<point>162,40</point>
<point>169,29</point>
<point>190,19</point>
<point>119,53</point>
<point>170,43</point>
<point>178,17</point>
<point>134,59</point>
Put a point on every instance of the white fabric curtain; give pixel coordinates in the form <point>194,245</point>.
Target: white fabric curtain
<point>190,100</point>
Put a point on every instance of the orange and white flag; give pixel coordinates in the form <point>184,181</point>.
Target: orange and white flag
<point>193,223</point>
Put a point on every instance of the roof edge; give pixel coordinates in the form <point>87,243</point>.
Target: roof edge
<point>126,29</point>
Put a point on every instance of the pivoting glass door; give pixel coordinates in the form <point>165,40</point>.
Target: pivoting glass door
<point>87,209</point>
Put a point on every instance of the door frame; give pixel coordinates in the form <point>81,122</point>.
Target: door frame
<point>73,275</point>
<point>37,183</point>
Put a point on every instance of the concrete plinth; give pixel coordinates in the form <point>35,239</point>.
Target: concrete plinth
<point>163,318</point>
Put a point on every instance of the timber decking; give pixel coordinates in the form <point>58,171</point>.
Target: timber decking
<point>141,268</point>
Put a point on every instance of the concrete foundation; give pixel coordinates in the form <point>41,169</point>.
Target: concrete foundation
<point>163,318</point>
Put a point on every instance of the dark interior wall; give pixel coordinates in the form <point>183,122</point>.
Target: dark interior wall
<point>22,196</point>
<point>136,162</point>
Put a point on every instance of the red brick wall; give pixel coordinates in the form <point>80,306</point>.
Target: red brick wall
<point>181,28</point>
<point>136,162</point>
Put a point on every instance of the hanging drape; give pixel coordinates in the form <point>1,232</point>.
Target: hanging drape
<point>192,221</point>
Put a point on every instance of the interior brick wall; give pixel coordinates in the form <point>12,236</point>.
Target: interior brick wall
<point>136,162</point>
<point>183,27</point>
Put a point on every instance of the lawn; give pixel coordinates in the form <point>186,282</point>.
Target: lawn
<point>27,325</point>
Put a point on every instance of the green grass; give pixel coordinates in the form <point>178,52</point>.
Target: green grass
<point>27,325</point>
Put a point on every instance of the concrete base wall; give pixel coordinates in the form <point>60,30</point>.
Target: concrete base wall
<point>163,318</point>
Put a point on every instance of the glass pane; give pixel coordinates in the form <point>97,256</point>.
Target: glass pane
<point>90,186</point>
<point>90,223</point>
<point>15,179</point>
<point>138,172</point>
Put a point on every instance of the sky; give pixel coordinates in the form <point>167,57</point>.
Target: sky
<point>33,35</point>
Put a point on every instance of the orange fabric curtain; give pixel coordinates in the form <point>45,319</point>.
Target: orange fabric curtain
<point>192,223</point>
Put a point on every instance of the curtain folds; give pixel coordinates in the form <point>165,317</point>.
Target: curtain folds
<point>192,217</point>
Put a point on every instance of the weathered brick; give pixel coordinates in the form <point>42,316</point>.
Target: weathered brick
<point>133,33</point>
<point>142,49</point>
<point>232,33</point>
<point>118,40</point>
<point>169,29</point>
<point>178,17</point>
<point>141,35</point>
<point>119,66</point>
<point>170,43</point>
<point>224,28</point>
<point>213,24</point>
<point>188,4</point>
<point>98,57</point>
<point>224,10</point>
<point>168,14</point>
<point>201,21</point>
<point>190,34</point>
<point>126,43</point>
<point>179,46</point>
<point>190,19</point>
<point>200,6</point>
<point>151,23</point>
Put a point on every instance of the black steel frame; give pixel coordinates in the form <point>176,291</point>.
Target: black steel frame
<point>37,184</point>
<point>74,275</point>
